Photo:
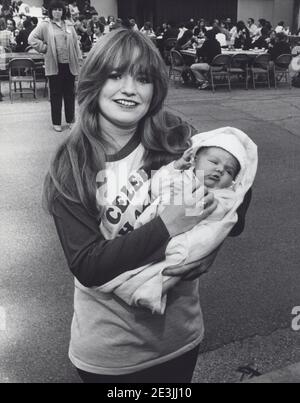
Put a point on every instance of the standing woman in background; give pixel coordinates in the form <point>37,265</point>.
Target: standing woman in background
<point>58,40</point>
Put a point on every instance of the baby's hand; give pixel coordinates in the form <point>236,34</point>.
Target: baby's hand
<point>186,161</point>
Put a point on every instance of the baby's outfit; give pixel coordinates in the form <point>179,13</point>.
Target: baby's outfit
<point>144,286</point>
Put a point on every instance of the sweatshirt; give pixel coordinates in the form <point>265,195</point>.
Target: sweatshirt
<point>107,336</point>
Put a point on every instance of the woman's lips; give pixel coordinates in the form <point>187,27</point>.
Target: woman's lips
<point>126,103</point>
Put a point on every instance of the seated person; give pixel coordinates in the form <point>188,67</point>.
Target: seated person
<point>186,40</point>
<point>225,163</point>
<point>241,36</point>
<point>261,42</point>
<point>22,38</point>
<point>281,46</point>
<point>148,30</point>
<point>209,50</point>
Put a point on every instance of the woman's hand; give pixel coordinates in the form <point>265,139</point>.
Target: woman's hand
<point>176,219</point>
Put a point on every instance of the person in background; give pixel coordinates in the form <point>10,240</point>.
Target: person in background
<point>110,23</point>
<point>205,55</point>
<point>171,32</point>
<point>252,27</point>
<point>58,40</point>
<point>186,40</point>
<point>261,42</point>
<point>281,47</point>
<point>133,24</point>
<point>23,8</point>
<point>280,27</point>
<point>98,32</point>
<point>271,40</point>
<point>93,20</point>
<point>10,25</point>
<point>200,29</point>
<point>229,24</point>
<point>74,10</point>
<point>7,10</point>
<point>34,22</point>
<point>86,39</point>
<point>80,25</point>
<point>224,30</point>
<point>7,40</point>
<point>182,28</point>
<point>87,9</point>
<point>15,8</point>
<point>22,38</point>
<point>242,38</point>
<point>148,30</point>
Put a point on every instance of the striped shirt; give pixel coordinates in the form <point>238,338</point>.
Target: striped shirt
<point>6,38</point>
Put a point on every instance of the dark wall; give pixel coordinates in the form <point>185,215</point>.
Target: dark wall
<point>158,11</point>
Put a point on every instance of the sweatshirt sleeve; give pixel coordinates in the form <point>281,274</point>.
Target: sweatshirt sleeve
<point>93,260</point>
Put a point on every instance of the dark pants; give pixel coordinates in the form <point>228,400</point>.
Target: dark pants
<point>178,370</point>
<point>62,87</point>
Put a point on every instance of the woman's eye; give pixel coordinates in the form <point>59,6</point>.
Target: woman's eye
<point>143,79</point>
<point>115,76</point>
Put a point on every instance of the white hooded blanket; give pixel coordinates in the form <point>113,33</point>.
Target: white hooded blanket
<point>146,286</point>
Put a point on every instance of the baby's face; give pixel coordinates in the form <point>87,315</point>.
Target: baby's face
<point>218,166</point>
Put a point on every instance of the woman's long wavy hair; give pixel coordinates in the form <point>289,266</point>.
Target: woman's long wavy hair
<point>81,156</point>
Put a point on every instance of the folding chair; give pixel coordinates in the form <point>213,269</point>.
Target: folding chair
<point>220,67</point>
<point>261,68</point>
<point>39,69</point>
<point>177,65</point>
<point>169,44</point>
<point>21,71</point>
<point>240,67</point>
<point>281,69</point>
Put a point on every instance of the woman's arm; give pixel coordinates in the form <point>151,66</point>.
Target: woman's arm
<point>36,39</point>
<point>93,260</point>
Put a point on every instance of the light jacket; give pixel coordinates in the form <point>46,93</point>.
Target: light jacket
<point>42,39</point>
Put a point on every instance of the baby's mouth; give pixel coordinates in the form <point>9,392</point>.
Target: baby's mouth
<point>214,177</point>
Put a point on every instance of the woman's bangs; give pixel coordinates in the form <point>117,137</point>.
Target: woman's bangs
<point>134,56</point>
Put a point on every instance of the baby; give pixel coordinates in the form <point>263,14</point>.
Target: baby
<point>219,167</point>
<point>225,162</point>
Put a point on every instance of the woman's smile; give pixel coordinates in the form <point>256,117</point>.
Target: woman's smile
<point>126,103</point>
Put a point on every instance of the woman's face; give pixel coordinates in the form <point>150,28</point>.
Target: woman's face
<point>57,13</point>
<point>125,99</point>
<point>10,25</point>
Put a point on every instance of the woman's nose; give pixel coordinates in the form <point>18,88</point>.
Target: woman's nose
<point>128,85</point>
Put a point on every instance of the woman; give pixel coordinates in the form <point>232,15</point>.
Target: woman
<point>123,129</point>
<point>148,30</point>
<point>7,40</point>
<point>242,38</point>
<point>58,40</point>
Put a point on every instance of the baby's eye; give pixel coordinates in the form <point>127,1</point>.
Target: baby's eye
<point>213,162</point>
<point>230,172</point>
